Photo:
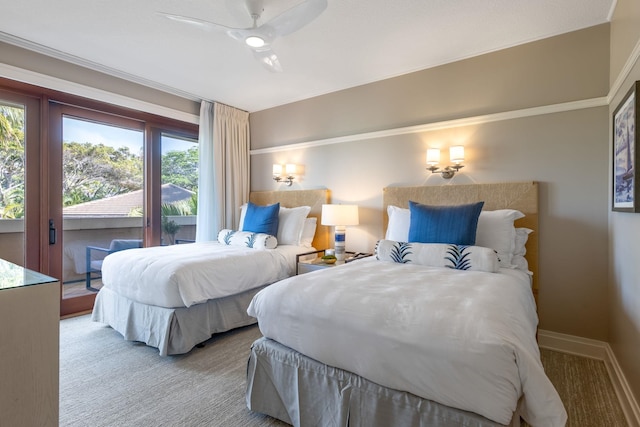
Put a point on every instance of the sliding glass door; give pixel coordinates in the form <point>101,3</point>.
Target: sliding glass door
<point>117,184</point>
<point>98,201</point>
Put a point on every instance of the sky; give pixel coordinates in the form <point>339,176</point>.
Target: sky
<point>83,131</point>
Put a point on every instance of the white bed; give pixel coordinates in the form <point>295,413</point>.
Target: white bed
<point>376,342</point>
<point>175,297</point>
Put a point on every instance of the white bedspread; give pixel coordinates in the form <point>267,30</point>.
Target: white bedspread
<point>463,339</point>
<point>184,275</point>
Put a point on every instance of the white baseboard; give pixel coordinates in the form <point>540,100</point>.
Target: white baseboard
<point>597,350</point>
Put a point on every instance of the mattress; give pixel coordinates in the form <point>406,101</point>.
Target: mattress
<point>190,274</point>
<point>464,339</point>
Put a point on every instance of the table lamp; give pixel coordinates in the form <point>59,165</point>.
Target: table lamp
<point>340,216</point>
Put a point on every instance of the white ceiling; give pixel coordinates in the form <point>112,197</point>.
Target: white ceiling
<point>352,42</point>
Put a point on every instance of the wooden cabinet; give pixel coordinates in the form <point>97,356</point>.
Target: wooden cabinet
<point>29,347</point>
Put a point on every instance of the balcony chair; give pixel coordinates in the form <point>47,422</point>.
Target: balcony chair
<point>95,266</point>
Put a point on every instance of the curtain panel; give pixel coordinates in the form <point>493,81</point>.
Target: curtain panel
<point>223,183</point>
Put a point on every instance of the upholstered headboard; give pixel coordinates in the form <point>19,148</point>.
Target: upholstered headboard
<point>291,199</point>
<point>522,196</point>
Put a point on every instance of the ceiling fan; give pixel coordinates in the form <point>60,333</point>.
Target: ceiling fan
<point>260,37</point>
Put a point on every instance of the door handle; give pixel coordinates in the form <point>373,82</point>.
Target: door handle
<point>52,233</point>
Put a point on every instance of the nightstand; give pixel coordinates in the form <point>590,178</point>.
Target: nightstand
<point>317,263</point>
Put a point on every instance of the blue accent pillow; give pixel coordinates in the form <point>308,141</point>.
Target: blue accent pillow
<point>455,225</point>
<point>261,219</point>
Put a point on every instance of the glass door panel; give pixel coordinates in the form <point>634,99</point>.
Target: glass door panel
<point>12,182</point>
<point>102,198</point>
<point>179,169</point>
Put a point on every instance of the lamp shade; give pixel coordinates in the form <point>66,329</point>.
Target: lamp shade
<point>290,168</point>
<point>277,170</point>
<point>456,154</point>
<point>340,215</point>
<point>433,156</point>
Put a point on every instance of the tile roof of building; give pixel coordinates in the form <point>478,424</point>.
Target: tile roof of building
<point>124,204</point>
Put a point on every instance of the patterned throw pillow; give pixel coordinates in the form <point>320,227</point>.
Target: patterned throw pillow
<point>458,257</point>
<point>247,239</point>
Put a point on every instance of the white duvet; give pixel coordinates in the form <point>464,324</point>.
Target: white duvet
<point>184,275</point>
<point>464,339</point>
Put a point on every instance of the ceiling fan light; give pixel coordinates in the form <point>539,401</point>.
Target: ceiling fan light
<point>254,41</point>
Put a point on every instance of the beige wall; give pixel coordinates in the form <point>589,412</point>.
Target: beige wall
<point>565,151</point>
<point>547,72</point>
<point>624,305</point>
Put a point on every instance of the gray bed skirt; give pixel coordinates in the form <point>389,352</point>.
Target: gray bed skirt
<point>172,330</point>
<point>301,391</point>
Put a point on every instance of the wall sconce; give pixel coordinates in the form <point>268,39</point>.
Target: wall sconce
<point>289,169</point>
<point>456,155</point>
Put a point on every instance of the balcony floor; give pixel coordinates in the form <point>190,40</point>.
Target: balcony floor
<point>78,288</point>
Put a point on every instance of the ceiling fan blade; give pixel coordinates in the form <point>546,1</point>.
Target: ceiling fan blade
<point>268,59</point>
<point>298,16</point>
<point>206,25</point>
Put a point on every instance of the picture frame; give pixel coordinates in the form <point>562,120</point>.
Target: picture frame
<point>626,194</point>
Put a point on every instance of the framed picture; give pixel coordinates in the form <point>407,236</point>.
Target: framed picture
<point>625,141</point>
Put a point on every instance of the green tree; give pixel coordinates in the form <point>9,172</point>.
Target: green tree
<point>12,167</point>
<point>96,171</point>
<point>181,168</point>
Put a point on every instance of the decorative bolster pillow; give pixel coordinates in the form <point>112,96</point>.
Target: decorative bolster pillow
<point>247,239</point>
<point>458,257</point>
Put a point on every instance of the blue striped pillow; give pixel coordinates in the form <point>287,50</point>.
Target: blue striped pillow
<point>455,225</point>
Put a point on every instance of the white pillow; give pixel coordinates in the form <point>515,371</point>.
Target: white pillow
<point>243,212</point>
<point>518,261</point>
<point>457,257</point>
<point>308,232</point>
<point>290,224</point>
<point>496,231</point>
<point>522,236</point>
<point>247,239</point>
<point>398,225</point>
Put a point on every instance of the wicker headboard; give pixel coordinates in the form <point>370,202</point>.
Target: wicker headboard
<point>291,199</point>
<point>522,196</point>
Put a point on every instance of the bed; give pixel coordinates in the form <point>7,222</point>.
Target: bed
<point>175,297</point>
<point>399,339</point>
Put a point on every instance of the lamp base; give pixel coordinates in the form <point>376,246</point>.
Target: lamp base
<point>340,242</point>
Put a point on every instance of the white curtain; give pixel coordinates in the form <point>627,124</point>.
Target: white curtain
<point>223,183</point>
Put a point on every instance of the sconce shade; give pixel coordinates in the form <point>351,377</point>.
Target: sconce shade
<point>340,215</point>
<point>290,168</point>
<point>433,156</point>
<point>277,170</point>
<point>456,154</point>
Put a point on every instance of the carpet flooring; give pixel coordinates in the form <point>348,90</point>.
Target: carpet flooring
<point>107,381</point>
